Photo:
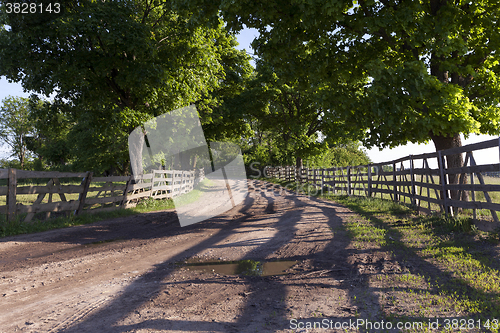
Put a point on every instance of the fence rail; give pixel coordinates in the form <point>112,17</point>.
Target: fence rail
<point>427,189</point>
<point>92,195</point>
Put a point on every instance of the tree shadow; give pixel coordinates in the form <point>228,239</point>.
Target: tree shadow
<point>256,302</point>
<point>437,281</point>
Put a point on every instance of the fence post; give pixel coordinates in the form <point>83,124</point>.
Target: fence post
<point>322,180</point>
<point>153,183</point>
<point>369,180</point>
<point>443,182</point>
<point>81,198</point>
<point>125,192</point>
<point>11,194</point>
<point>473,193</point>
<point>394,186</point>
<point>334,181</point>
<point>412,176</point>
<point>348,181</point>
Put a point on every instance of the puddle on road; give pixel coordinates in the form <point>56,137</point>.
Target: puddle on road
<point>243,267</point>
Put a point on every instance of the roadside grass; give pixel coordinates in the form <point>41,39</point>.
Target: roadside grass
<point>449,271</point>
<point>196,193</point>
<point>16,227</point>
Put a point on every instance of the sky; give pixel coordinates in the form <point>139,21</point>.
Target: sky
<point>376,155</point>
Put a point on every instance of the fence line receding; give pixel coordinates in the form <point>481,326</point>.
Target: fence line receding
<point>412,180</point>
<point>52,193</point>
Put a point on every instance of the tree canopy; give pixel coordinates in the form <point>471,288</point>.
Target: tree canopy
<point>429,68</point>
<point>404,71</point>
<point>116,64</point>
<point>15,127</point>
<point>387,72</point>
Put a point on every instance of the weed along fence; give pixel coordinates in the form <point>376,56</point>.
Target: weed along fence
<point>420,180</point>
<point>31,193</point>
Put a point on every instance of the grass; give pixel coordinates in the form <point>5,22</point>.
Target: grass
<point>16,227</point>
<point>454,270</point>
<point>196,193</point>
<point>450,271</point>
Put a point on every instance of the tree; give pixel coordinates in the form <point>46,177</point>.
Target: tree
<point>15,126</point>
<point>287,106</point>
<point>221,111</point>
<point>116,63</point>
<point>435,74</point>
<point>341,155</point>
<point>49,141</point>
<point>431,67</point>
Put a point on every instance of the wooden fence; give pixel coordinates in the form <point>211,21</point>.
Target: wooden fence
<point>411,180</point>
<point>92,195</point>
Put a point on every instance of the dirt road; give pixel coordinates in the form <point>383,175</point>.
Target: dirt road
<point>120,275</point>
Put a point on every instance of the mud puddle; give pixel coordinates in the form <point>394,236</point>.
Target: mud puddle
<point>243,267</point>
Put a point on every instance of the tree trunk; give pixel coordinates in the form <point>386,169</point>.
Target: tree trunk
<point>298,166</point>
<point>452,161</point>
<point>21,158</point>
<point>136,143</point>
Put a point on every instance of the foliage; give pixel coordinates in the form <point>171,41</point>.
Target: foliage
<point>436,60</point>
<point>115,64</point>
<point>286,106</point>
<point>428,69</point>
<point>15,127</point>
<point>221,112</point>
<point>341,155</point>
<point>348,153</point>
<point>29,164</point>
<point>99,143</point>
<point>261,150</point>
<point>289,115</point>
<point>52,123</point>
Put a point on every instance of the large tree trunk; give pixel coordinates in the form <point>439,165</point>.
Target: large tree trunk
<point>452,161</point>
